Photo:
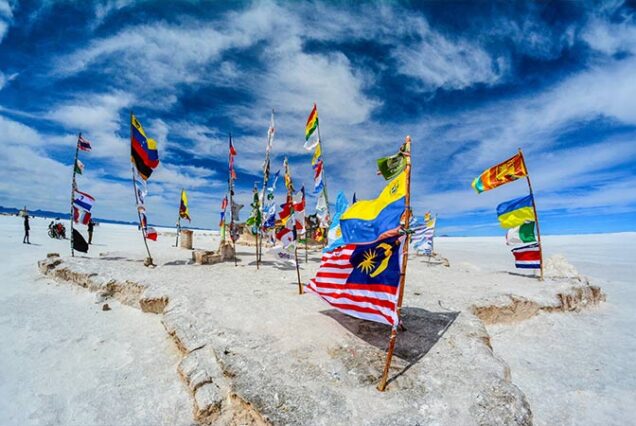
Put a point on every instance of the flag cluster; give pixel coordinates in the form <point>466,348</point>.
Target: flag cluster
<point>518,215</point>
<point>360,269</point>
<point>82,201</point>
<point>145,158</point>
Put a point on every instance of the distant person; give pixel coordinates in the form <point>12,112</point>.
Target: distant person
<point>27,228</point>
<point>91,225</point>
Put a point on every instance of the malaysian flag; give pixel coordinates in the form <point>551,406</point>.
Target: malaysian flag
<point>362,280</point>
<point>527,257</point>
<point>83,144</point>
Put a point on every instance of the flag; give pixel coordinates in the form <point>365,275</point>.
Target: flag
<point>151,233</point>
<point>312,122</point>
<point>286,236</point>
<point>84,144</point>
<point>317,155</point>
<point>286,210</point>
<point>334,234</point>
<point>299,210</point>
<point>422,237</point>
<point>224,203</point>
<point>362,280</point>
<point>236,208</point>
<point>508,171</point>
<point>83,201</point>
<point>322,211</point>
<point>527,257</point>
<point>269,208</point>
<point>391,166</point>
<point>288,179</point>
<point>143,150</point>
<point>184,212</point>
<point>516,212</point>
<point>79,167</point>
<point>79,243</point>
<point>81,216</point>
<point>271,131</point>
<point>521,234</point>
<point>254,221</point>
<point>370,220</point>
<point>318,183</point>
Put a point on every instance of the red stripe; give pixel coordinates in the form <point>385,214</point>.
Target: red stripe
<point>363,310</point>
<point>336,265</point>
<point>141,152</point>
<point>333,275</point>
<point>368,287</point>
<point>379,302</point>
<point>528,255</point>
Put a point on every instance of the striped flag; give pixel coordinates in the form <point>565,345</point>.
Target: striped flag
<point>81,216</point>
<point>362,280</point>
<point>527,257</point>
<point>83,201</point>
<point>83,144</point>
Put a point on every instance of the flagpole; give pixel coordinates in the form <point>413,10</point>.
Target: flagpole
<point>265,182</point>
<point>73,186</point>
<point>229,186</point>
<point>143,233</point>
<point>176,244</point>
<point>536,216</point>
<point>405,257</point>
<point>324,173</point>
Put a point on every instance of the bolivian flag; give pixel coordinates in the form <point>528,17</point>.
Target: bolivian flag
<point>369,220</point>
<point>312,122</point>
<point>143,150</point>
<point>516,212</point>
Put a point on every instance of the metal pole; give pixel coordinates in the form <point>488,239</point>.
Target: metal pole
<point>73,186</point>
<point>405,257</point>
<point>536,216</point>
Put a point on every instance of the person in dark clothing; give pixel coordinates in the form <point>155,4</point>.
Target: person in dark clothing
<point>91,225</point>
<point>27,228</point>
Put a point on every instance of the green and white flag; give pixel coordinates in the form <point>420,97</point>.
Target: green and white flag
<point>79,167</point>
<point>521,234</point>
<point>391,166</point>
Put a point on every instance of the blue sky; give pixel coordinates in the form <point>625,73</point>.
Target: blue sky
<point>469,82</point>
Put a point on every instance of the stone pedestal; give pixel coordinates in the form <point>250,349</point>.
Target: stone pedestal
<point>186,239</point>
<point>226,251</point>
<point>205,257</point>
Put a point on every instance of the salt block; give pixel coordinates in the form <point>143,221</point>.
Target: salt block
<point>186,239</point>
<point>204,257</point>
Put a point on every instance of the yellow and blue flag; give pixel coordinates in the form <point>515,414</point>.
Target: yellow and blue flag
<point>369,220</point>
<point>516,212</point>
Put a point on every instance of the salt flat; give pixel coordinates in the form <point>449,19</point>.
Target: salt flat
<point>267,337</point>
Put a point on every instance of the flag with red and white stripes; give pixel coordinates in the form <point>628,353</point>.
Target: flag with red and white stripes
<point>83,144</point>
<point>362,280</point>
<point>527,257</point>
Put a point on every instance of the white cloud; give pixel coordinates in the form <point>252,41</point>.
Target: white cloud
<point>6,17</point>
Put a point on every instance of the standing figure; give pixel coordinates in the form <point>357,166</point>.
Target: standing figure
<point>91,225</point>
<point>25,240</point>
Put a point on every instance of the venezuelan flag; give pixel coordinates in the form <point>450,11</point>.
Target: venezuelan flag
<point>516,212</point>
<point>369,220</point>
<point>312,122</point>
<point>143,150</point>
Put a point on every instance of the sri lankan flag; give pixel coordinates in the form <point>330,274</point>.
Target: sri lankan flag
<point>508,171</point>
<point>143,150</point>
<point>312,123</point>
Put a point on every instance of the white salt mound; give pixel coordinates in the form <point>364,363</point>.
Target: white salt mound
<point>557,266</point>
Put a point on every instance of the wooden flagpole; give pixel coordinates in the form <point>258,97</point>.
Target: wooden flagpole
<point>536,216</point>
<point>405,257</point>
<point>143,233</point>
<point>176,244</point>
<point>324,173</point>
<point>230,185</point>
<point>73,186</point>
